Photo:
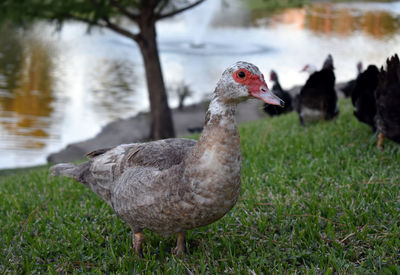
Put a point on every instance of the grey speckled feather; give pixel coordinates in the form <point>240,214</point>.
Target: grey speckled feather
<point>172,185</point>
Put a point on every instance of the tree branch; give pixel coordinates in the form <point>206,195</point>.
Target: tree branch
<point>162,6</point>
<point>123,10</point>
<point>108,24</point>
<point>121,30</point>
<point>174,12</point>
<point>85,20</point>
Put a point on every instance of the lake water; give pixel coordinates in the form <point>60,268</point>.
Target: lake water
<point>62,87</point>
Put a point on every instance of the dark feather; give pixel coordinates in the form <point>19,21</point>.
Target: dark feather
<point>388,100</point>
<point>349,87</point>
<point>363,98</point>
<point>319,94</point>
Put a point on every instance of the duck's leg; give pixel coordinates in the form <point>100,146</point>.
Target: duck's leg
<point>380,140</point>
<point>180,244</point>
<point>301,120</point>
<point>137,241</point>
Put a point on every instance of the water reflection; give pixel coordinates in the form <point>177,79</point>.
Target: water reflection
<point>344,21</point>
<point>27,89</point>
<point>10,60</point>
<point>114,83</point>
<point>335,19</point>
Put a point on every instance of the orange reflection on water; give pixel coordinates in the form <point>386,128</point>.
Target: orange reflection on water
<point>331,19</point>
<point>380,24</point>
<point>328,19</point>
<point>27,106</point>
<point>294,17</point>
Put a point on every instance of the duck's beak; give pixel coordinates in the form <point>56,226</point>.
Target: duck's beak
<point>267,96</point>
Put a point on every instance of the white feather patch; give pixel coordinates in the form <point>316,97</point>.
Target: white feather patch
<point>311,115</point>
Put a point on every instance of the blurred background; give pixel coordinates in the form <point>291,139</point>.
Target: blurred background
<point>58,87</point>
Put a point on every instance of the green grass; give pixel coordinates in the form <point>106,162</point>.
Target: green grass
<point>315,199</point>
<point>274,5</point>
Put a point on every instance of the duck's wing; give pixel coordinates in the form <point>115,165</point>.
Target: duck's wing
<point>319,89</point>
<point>160,154</point>
<point>363,98</point>
<point>106,166</point>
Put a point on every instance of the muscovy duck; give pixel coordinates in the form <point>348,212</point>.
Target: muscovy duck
<point>273,110</point>
<point>317,99</point>
<point>173,185</point>
<point>349,87</point>
<point>363,96</point>
<point>388,101</point>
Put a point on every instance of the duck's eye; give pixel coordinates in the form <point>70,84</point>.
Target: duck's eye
<point>241,74</point>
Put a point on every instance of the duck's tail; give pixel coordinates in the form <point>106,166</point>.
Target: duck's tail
<point>65,169</point>
<point>78,172</point>
<point>81,173</point>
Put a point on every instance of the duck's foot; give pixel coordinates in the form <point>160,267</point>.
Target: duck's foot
<point>137,241</point>
<point>179,250</point>
<point>380,140</point>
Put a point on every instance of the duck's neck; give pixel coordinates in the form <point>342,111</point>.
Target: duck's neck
<point>277,86</point>
<point>217,155</point>
<point>220,124</point>
<point>213,168</point>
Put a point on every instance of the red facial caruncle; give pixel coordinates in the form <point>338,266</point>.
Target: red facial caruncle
<point>252,81</point>
<point>256,86</point>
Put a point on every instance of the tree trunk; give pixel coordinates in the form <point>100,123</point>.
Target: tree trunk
<point>161,119</point>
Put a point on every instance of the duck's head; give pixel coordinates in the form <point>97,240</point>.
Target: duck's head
<point>273,76</point>
<point>244,80</point>
<point>328,63</point>
<point>359,67</point>
<point>309,68</point>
